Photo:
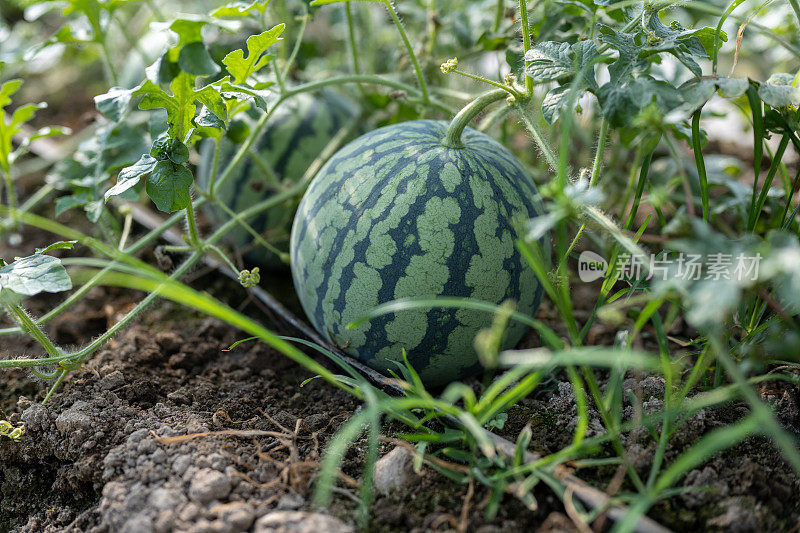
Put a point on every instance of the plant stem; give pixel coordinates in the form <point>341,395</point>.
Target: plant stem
<point>796,8</point>
<point>757,204</point>
<point>112,74</point>
<point>452,138</point>
<point>498,16</point>
<point>278,76</point>
<point>509,90</point>
<point>126,230</point>
<point>598,155</point>
<point>61,375</point>
<point>526,43</point>
<point>645,168</point>
<point>538,137</point>
<point>27,324</point>
<point>423,87</point>
<point>700,162</point>
<point>433,28</point>
<point>352,38</point>
<point>191,221</point>
<point>296,49</point>
<point>63,306</point>
<point>12,198</point>
<point>214,168</point>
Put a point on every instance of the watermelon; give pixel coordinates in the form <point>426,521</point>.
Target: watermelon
<point>395,214</point>
<point>296,133</point>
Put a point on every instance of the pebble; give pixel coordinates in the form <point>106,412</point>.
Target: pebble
<point>394,470</point>
<point>208,485</point>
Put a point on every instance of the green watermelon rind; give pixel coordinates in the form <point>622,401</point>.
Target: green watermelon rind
<point>452,210</point>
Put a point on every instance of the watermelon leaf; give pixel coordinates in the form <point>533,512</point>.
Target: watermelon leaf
<point>34,274</point>
<point>129,176</point>
<point>195,59</point>
<point>242,68</point>
<point>168,186</point>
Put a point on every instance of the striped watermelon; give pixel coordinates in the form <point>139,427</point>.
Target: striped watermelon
<point>394,214</point>
<point>298,131</point>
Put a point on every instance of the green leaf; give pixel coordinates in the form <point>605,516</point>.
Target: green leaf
<point>616,104</point>
<point>168,186</point>
<point>129,176</point>
<point>549,61</point>
<point>12,126</point>
<point>114,103</point>
<point>207,119</point>
<point>174,150</point>
<point>777,91</point>
<point>242,68</point>
<point>675,40</point>
<point>181,105</point>
<point>706,37</point>
<point>60,245</point>
<point>628,60</point>
<point>240,9</point>
<point>34,274</point>
<point>195,59</point>
<point>65,203</point>
<point>257,96</point>
<point>553,103</point>
<point>7,90</point>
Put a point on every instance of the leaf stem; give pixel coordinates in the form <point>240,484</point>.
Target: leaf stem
<point>509,90</point>
<point>191,221</point>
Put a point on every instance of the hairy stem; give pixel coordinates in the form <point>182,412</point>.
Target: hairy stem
<point>526,43</point>
<point>27,324</point>
<point>452,138</point>
<point>423,87</point>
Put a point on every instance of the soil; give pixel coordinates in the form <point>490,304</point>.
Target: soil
<point>164,430</point>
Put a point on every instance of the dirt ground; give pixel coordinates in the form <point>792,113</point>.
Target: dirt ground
<point>163,430</point>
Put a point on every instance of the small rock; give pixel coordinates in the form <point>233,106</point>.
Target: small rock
<point>179,397</point>
<point>73,419</point>
<point>290,502</point>
<point>238,516</point>
<point>112,381</point>
<point>300,522</point>
<point>163,499</point>
<point>394,470</point>
<point>181,463</point>
<point>208,485</point>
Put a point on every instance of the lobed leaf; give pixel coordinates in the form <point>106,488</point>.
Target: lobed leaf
<point>242,68</point>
